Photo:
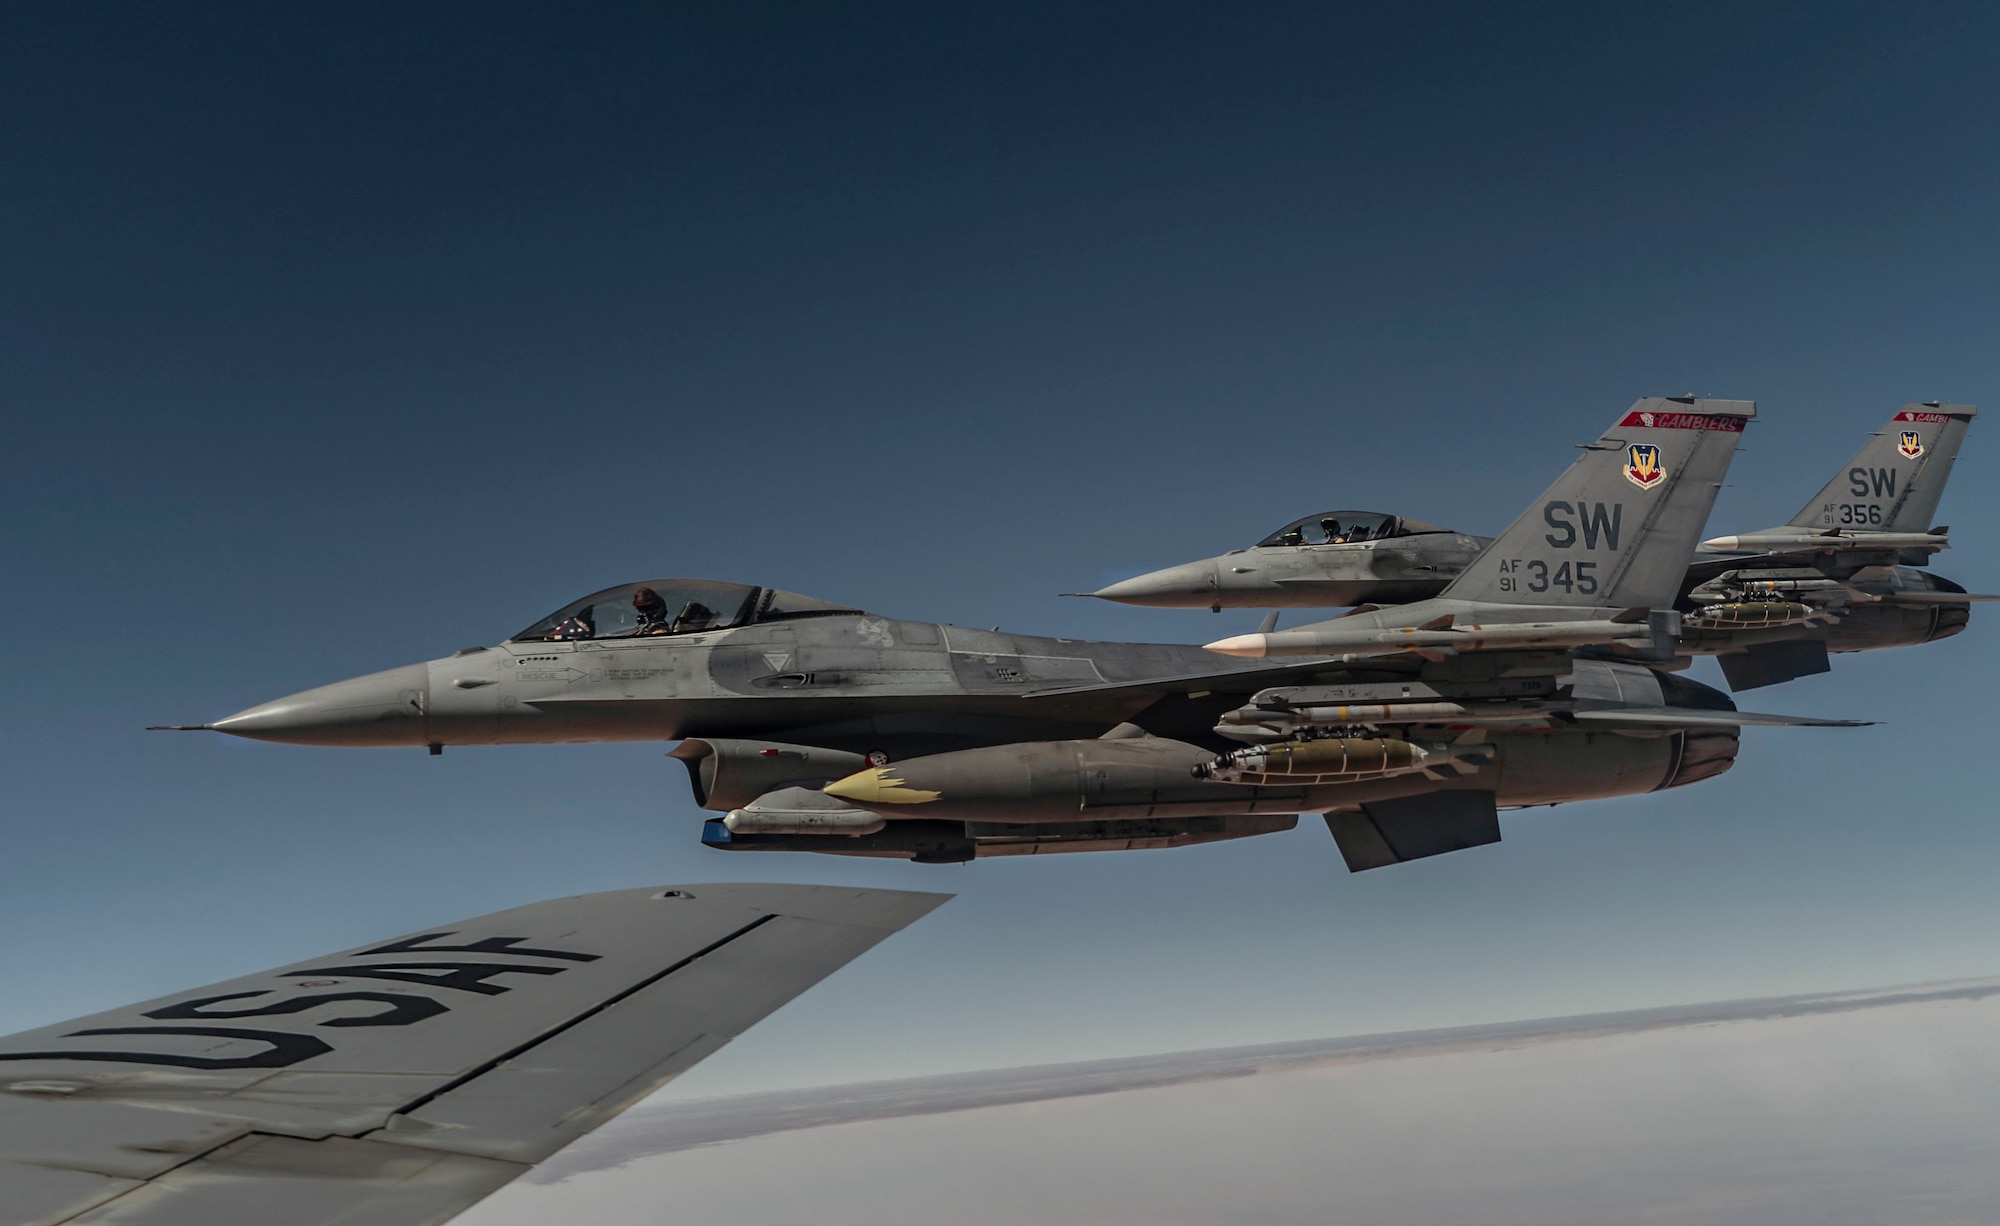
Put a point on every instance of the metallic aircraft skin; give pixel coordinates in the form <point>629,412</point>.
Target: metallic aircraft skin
<point>772,706</point>
<point>1864,594</point>
<point>814,726</point>
<point>849,681</point>
<point>1283,573</point>
<point>397,1083</point>
<point>1849,558</point>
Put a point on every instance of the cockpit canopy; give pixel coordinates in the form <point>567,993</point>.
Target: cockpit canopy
<point>1346,528</point>
<point>672,606</point>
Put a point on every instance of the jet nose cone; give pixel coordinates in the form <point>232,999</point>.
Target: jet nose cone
<point>1189,585</point>
<point>385,708</point>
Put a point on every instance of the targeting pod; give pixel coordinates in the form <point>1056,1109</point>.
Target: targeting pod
<point>801,811</point>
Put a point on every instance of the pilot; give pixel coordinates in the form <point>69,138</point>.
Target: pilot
<point>1331,527</point>
<point>652,611</point>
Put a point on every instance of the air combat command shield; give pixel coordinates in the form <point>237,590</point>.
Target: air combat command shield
<point>1643,467</point>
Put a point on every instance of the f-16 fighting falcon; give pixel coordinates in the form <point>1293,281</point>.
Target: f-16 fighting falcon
<point>1840,577</point>
<point>398,1083</point>
<point>1534,678</point>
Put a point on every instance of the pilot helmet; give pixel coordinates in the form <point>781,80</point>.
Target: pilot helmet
<point>647,602</point>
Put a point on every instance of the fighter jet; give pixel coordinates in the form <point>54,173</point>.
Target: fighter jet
<point>1326,561</point>
<point>814,726</point>
<point>1839,577</point>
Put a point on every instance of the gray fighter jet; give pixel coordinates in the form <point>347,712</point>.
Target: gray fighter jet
<point>1531,680</point>
<point>1840,577</point>
<point>1327,561</point>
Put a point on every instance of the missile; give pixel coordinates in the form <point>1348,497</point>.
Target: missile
<point>1825,542</point>
<point>1253,723</point>
<point>1772,587</point>
<point>1355,713</point>
<point>1332,640</point>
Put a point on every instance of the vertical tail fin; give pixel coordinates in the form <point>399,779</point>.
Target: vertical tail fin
<point>1894,482</point>
<point>1619,528</point>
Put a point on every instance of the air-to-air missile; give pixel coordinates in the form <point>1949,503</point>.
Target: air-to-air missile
<point>1446,637</point>
<point>1534,678</point>
<point>1840,577</point>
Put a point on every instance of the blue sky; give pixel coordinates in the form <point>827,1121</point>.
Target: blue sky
<point>337,337</point>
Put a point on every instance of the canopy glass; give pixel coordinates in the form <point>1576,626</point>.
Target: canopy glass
<point>1346,528</point>
<point>672,606</point>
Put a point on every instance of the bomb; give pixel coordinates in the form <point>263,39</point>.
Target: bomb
<point>1343,759</point>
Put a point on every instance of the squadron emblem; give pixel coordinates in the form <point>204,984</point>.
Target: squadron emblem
<point>1643,467</point>
<point>1911,444</point>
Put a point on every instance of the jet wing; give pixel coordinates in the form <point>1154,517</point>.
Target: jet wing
<point>396,1084</point>
<point>1694,717</point>
<point>1924,598</point>
<point>1223,681</point>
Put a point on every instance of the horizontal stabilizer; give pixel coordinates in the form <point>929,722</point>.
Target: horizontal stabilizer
<point>1926,598</point>
<point>1414,827</point>
<point>1774,663</point>
<point>1689,717</point>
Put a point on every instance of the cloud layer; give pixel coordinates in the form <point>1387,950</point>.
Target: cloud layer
<point>1859,1107</point>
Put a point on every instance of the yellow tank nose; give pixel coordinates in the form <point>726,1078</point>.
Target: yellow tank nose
<point>882,785</point>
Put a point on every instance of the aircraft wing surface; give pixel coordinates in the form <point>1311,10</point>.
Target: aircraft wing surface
<point>398,1083</point>
<point>1694,717</point>
<point>1241,679</point>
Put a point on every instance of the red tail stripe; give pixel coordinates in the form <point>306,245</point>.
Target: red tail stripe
<point>1682,421</point>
